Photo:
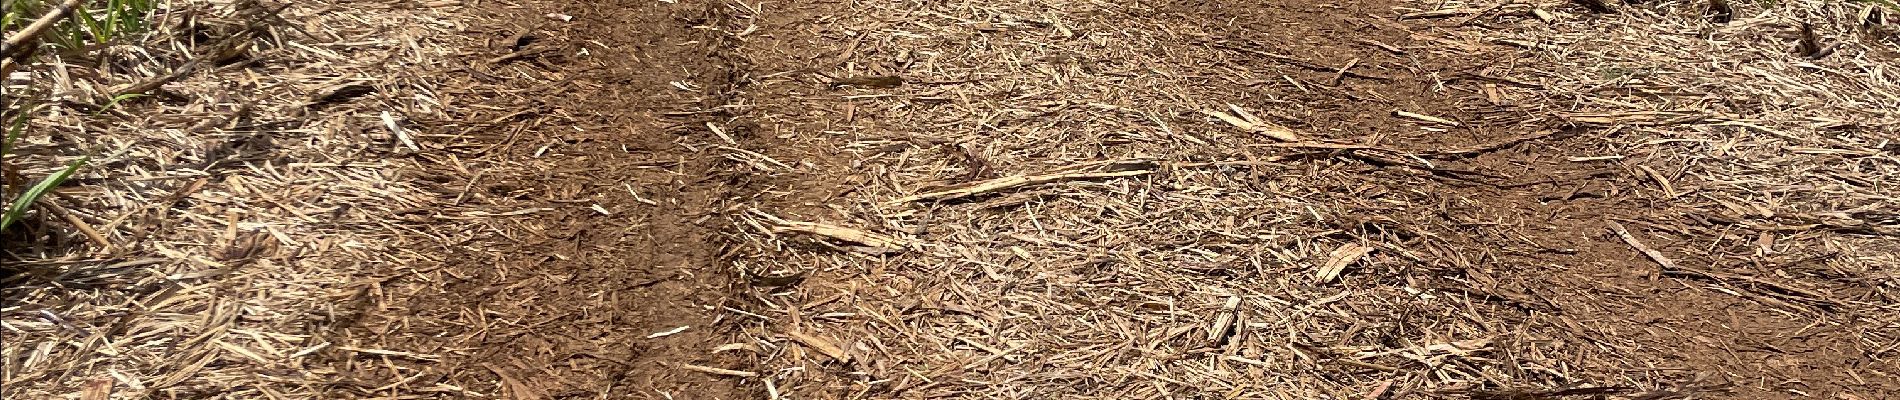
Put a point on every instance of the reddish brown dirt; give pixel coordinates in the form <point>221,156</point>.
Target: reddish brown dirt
<point>1517,225</point>
<point>1529,230</point>
<point>617,241</point>
<point>558,303</point>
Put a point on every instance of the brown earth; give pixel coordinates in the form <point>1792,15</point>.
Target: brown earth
<point>631,166</point>
<point>609,277</point>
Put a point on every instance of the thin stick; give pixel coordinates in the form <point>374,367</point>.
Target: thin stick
<point>1426,118</point>
<point>880,241</point>
<point>78,224</point>
<point>718,371</point>
<point>1094,170</point>
<point>1657,256</point>
<point>17,43</point>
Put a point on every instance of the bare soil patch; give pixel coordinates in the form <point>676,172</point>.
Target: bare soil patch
<point>577,257</point>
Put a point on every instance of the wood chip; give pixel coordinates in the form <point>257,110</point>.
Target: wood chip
<point>873,240</point>
<point>1426,118</point>
<point>1669,190</point>
<point>1254,125</point>
<point>1092,170</point>
<point>669,332</point>
<point>1341,257</point>
<point>718,371</point>
<point>821,345</point>
<point>1223,324</point>
<point>1657,256</point>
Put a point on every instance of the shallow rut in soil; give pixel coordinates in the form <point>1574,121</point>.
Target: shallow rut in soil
<point>581,248</point>
<point>633,167</point>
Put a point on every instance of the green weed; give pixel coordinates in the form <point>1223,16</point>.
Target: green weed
<point>92,25</point>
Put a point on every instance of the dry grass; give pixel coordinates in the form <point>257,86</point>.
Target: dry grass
<point>232,207</point>
<point>1200,279</point>
<point>1730,113</point>
<point>1065,199</point>
<point>1204,278</point>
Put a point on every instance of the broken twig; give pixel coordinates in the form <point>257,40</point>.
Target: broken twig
<point>1093,170</point>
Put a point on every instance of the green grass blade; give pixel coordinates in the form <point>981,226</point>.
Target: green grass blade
<point>92,26</point>
<point>115,102</point>
<point>115,17</point>
<point>15,130</point>
<point>11,17</point>
<point>26,199</point>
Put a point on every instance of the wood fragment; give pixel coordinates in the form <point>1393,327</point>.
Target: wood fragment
<point>1774,286</point>
<point>1292,60</point>
<point>1481,14</point>
<point>1085,171</point>
<point>1223,324</point>
<point>77,223</point>
<point>1341,76</point>
<point>1241,119</point>
<point>736,347</point>
<point>1600,172</point>
<point>1380,390</point>
<point>821,345</point>
<point>1337,261</point>
<point>1636,118</point>
<point>669,332</point>
<point>1426,118</point>
<point>717,371</point>
<point>1670,267</point>
<point>1657,256</point>
<point>340,93</point>
<point>1669,190</point>
<point>1544,15</point>
<point>876,241</point>
<point>225,49</point>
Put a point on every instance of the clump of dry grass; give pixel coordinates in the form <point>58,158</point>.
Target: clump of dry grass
<point>226,210</point>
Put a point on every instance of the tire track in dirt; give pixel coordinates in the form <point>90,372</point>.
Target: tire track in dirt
<point>606,161</point>
<point>576,252</point>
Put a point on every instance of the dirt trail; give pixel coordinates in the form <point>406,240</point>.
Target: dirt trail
<point>648,171</point>
<point>580,257</point>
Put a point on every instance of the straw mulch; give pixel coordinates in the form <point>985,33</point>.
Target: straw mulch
<point>1019,199</point>
<point>1736,115</point>
<point>208,247</point>
<point>1001,199</point>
